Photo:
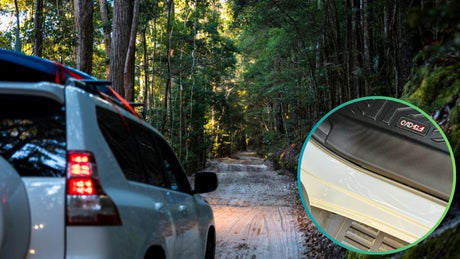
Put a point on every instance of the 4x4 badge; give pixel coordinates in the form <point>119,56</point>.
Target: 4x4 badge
<point>412,125</point>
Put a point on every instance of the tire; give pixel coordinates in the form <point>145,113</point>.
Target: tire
<point>211,244</point>
<point>14,213</point>
<point>155,252</point>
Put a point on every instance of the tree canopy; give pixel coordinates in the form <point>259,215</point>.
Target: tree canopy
<point>217,76</point>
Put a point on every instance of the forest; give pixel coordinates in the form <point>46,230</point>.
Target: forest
<point>218,76</point>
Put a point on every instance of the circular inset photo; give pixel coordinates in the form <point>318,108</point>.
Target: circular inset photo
<point>376,175</point>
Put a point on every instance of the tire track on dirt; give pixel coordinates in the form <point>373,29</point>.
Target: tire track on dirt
<point>253,210</point>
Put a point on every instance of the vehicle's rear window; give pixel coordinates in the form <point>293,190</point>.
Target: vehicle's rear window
<point>33,135</point>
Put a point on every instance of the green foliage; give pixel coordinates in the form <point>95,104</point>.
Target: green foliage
<point>4,42</point>
<point>446,245</point>
<point>274,69</point>
<point>434,84</point>
<point>205,120</point>
<point>354,255</point>
<point>435,78</point>
<point>295,68</point>
<point>260,72</point>
<point>202,58</point>
<point>432,87</point>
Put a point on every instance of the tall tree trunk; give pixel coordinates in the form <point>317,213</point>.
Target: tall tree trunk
<point>192,75</point>
<point>106,27</point>
<point>146,100</point>
<point>128,71</point>
<point>366,52</point>
<point>181,109</point>
<point>38,29</point>
<point>365,26</point>
<point>348,56</point>
<point>339,47</point>
<point>121,28</point>
<point>84,28</point>
<point>17,44</point>
<point>386,59</point>
<point>354,50</point>
<point>324,53</point>
<point>170,52</point>
<point>409,43</point>
<point>181,89</point>
<point>167,118</point>
<point>153,71</point>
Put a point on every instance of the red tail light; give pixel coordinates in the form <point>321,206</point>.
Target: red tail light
<point>80,187</point>
<point>80,164</point>
<point>87,203</point>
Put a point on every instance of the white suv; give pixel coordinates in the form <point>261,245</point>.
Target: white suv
<point>82,177</point>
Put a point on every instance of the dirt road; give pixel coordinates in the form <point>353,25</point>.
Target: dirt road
<point>253,210</point>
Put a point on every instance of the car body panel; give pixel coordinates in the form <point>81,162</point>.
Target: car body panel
<point>14,213</point>
<point>145,222</point>
<point>47,213</point>
<point>183,210</point>
<point>48,90</point>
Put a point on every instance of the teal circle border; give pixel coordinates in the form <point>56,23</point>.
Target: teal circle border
<point>299,184</point>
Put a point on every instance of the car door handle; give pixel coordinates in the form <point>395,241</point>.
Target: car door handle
<point>158,206</point>
<point>183,209</point>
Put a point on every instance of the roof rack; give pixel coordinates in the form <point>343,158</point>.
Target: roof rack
<point>18,67</point>
<point>102,89</point>
<point>15,64</point>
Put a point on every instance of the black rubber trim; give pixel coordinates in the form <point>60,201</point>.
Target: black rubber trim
<point>393,140</point>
